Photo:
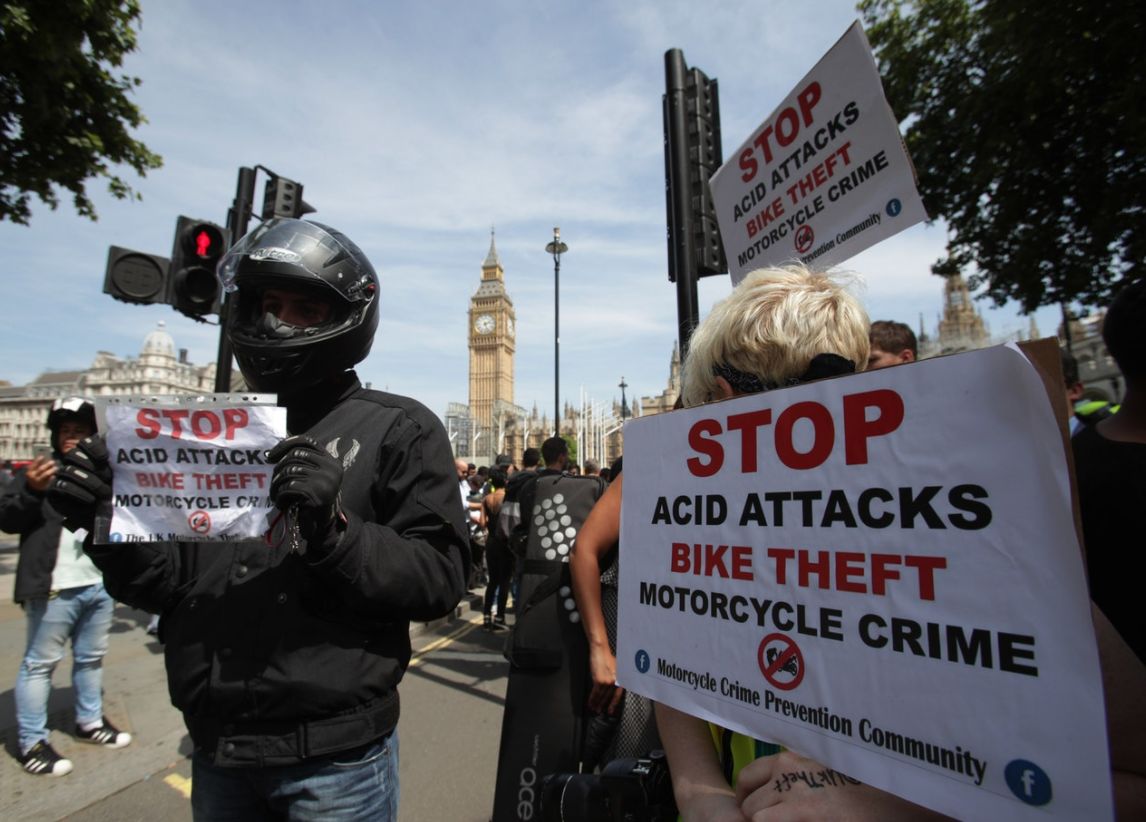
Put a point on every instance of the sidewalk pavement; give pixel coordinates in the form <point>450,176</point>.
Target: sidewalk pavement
<point>135,699</point>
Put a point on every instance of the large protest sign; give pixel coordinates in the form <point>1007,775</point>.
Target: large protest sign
<point>191,468</point>
<point>824,176</point>
<point>881,572</point>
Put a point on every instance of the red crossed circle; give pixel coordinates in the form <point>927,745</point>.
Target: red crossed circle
<point>200,522</point>
<point>773,670</point>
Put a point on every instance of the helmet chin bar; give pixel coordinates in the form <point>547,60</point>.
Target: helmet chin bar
<point>276,373</point>
<point>270,327</point>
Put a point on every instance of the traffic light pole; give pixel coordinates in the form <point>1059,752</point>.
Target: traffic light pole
<point>682,256</point>
<point>237,219</point>
<point>692,155</point>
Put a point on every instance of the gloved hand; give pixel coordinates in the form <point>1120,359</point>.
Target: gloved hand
<point>308,478</point>
<point>82,482</point>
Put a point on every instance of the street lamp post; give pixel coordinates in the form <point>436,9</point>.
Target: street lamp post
<point>556,248</point>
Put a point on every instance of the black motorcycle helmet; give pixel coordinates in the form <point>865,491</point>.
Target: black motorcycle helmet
<point>69,408</point>
<point>303,257</point>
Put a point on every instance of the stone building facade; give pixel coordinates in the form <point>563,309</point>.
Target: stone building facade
<point>158,370</point>
<point>961,328</point>
<point>665,400</point>
<point>1099,373</point>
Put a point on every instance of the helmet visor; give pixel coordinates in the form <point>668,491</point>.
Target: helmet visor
<point>296,243</point>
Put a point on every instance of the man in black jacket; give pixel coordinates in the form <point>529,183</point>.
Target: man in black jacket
<point>519,494</point>
<point>63,598</point>
<point>285,655</point>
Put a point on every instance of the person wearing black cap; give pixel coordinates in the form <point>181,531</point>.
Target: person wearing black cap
<point>285,656</point>
<point>63,597</point>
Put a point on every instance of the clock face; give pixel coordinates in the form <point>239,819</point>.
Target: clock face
<point>509,325</point>
<point>484,324</point>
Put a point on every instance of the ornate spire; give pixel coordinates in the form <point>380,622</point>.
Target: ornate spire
<point>962,327</point>
<point>491,259</point>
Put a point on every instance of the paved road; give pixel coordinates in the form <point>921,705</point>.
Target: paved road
<point>449,732</point>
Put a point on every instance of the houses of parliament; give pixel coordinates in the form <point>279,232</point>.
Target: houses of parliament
<point>491,423</point>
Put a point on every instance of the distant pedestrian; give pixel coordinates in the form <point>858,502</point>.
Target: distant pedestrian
<point>1110,468</point>
<point>63,597</point>
<point>499,560</point>
<point>892,343</point>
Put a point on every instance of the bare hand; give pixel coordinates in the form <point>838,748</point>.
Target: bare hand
<point>605,696</point>
<point>40,473</point>
<point>792,788</point>
<point>715,807</point>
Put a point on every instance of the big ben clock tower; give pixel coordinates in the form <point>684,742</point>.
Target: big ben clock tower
<point>492,341</point>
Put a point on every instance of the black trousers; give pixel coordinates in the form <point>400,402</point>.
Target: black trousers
<point>499,562</point>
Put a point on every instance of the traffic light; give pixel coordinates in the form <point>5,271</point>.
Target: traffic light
<point>135,277</point>
<point>691,110</point>
<point>705,157</point>
<point>283,198</point>
<point>193,287</point>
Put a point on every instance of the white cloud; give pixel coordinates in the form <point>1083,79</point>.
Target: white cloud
<point>414,128</point>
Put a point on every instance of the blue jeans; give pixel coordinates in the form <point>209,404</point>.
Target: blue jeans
<point>84,616</point>
<point>362,785</point>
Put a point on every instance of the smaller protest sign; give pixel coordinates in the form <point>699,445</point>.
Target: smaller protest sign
<point>191,468</point>
<point>824,177</point>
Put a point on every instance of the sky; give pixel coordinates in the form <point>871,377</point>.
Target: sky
<point>416,128</point>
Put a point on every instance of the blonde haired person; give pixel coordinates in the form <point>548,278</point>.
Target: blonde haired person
<point>778,327</point>
<point>767,332</point>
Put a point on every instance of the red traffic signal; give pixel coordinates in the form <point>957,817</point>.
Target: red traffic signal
<point>205,241</point>
<point>194,288</point>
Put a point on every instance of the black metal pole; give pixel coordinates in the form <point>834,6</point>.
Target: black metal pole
<point>237,219</point>
<point>556,248</point>
<point>682,265</point>
<point>556,343</point>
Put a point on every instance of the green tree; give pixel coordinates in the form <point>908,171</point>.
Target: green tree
<point>64,113</point>
<point>571,442</point>
<point>1026,124</point>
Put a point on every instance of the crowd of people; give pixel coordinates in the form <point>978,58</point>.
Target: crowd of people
<point>384,533</point>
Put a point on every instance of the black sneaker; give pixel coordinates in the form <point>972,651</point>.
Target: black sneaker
<point>42,760</point>
<point>106,734</point>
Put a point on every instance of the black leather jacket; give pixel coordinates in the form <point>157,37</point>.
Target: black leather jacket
<point>275,656</point>
<point>24,512</point>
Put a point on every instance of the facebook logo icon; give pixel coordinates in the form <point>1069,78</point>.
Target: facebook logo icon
<point>643,661</point>
<point>1028,782</point>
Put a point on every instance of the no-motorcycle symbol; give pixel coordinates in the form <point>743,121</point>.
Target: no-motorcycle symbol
<point>804,239</point>
<point>780,661</point>
<point>200,522</point>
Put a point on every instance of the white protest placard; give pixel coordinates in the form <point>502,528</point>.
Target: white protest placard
<point>824,177</point>
<point>191,468</point>
<point>880,572</point>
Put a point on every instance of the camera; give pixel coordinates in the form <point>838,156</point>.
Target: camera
<point>626,790</point>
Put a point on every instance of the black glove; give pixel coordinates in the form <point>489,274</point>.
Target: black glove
<point>309,479</point>
<point>82,483</point>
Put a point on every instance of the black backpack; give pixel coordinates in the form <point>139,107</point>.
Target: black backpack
<point>548,620</point>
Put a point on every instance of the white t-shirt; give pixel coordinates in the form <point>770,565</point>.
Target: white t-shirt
<point>74,568</point>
